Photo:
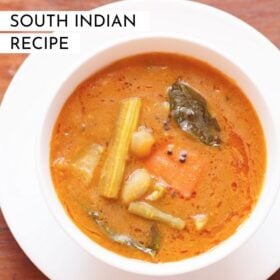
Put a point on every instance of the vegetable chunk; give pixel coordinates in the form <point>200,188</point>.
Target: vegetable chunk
<point>114,166</point>
<point>183,177</point>
<point>200,221</point>
<point>136,185</point>
<point>142,142</point>
<point>88,161</point>
<point>147,211</point>
<point>158,192</point>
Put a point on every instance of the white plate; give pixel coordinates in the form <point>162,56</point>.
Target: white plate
<point>24,208</point>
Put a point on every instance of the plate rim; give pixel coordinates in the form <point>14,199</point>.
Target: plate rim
<point>26,63</point>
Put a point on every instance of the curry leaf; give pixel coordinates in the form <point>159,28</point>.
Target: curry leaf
<point>189,110</point>
<point>155,238</point>
<point>126,240</point>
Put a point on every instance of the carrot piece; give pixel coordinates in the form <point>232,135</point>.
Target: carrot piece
<point>183,177</point>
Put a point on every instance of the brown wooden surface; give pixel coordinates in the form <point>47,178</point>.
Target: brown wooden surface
<point>264,15</point>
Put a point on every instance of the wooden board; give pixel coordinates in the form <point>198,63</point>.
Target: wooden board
<point>264,15</point>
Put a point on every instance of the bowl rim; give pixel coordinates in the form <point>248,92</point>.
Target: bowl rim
<point>112,258</point>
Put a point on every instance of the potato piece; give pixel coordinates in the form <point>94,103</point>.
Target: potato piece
<point>136,185</point>
<point>142,142</point>
<point>88,161</point>
<point>200,221</point>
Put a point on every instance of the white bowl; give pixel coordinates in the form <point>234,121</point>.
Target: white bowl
<point>93,62</point>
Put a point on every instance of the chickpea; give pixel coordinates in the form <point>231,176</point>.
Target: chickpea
<point>142,143</point>
<point>136,185</point>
